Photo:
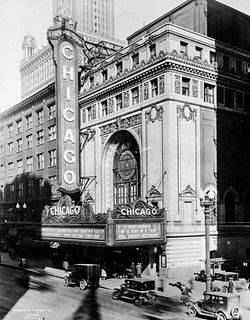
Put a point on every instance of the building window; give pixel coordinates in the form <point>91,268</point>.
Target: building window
<point>212,57</point>
<point>185,86</point>
<point>183,48</point>
<point>19,145</point>
<point>20,190</point>
<point>29,141</point>
<point>12,191</point>
<point>52,133</point>
<point>10,130</point>
<point>104,105</point>
<point>105,75</point>
<point>19,126</point>
<point>118,101</point>
<point>11,166</point>
<point>135,59</point>
<point>209,93</point>
<point>29,164</point>
<point>40,161</point>
<point>20,166</point>
<point>226,63</point>
<point>220,94</point>
<point>41,186</point>
<point>152,50</point>
<point>229,98</point>
<point>40,138</point>
<point>30,190</point>
<point>53,183</point>
<point>198,52</point>
<point>10,148</point>
<point>135,95</point>
<point>154,87</point>
<point>52,111</point>
<point>119,68</point>
<point>52,158</point>
<point>40,116</point>
<point>29,121</point>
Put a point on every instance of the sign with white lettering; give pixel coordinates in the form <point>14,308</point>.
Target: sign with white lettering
<point>139,231</point>
<point>74,233</point>
<point>67,116</point>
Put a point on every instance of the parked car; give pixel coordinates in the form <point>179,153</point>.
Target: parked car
<point>222,278</point>
<point>32,279</point>
<point>218,305</point>
<point>83,275</point>
<point>138,291</point>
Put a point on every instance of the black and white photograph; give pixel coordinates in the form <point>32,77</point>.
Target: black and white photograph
<point>124,159</point>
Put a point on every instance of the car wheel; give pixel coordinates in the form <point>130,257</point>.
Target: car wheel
<point>192,312</point>
<point>116,295</point>
<point>82,285</point>
<point>221,316</point>
<point>66,281</point>
<point>138,302</point>
<point>224,289</point>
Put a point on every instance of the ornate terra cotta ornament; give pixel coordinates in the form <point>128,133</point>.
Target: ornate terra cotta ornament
<point>186,112</point>
<point>155,113</point>
<point>162,84</point>
<point>126,99</point>
<point>121,124</point>
<point>188,192</point>
<point>177,84</point>
<point>195,88</point>
<point>146,92</point>
<point>137,210</point>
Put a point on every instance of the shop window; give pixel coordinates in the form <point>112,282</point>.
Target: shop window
<point>230,214</point>
<point>40,161</point>
<point>209,93</point>
<point>152,50</point>
<point>185,86</point>
<point>119,67</point>
<point>118,100</point>
<point>183,48</point>
<point>198,52</point>
<point>220,94</point>
<point>154,87</point>
<point>135,59</point>
<point>135,95</point>
<point>52,158</point>
<point>229,98</point>
<point>104,105</point>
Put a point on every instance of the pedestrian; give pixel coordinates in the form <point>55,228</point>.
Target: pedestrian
<point>133,270</point>
<point>103,274</point>
<point>138,270</point>
<point>231,285</point>
<point>66,263</point>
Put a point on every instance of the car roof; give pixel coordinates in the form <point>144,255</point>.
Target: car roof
<point>222,294</point>
<point>225,272</point>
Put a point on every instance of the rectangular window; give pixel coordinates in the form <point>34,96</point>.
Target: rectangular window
<point>52,158</point>
<point>40,138</point>
<point>183,47</point>
<point>29,141</point>
<point>152,50</point>
<point>41,186</point>
<point>220,94</point>
<point>11,166</point>
<point>135,95</point>
<point>212,57</point>
<point>185,86</point>
<point>10,130</point>
<point>52,133</point>
<point>40,116</point>
<point>53,183</point>
<point>104,105</point>
<point>135,59</point>
<point>209,93</point>
<point>12,191</point>
<point>105,75</point>
<point>19,126</point>
<point>229,98</point>
<point>154,87</point>
<point>198,52</point>
<point>29,121</point>
<point>40,161</point>
<point>90,113</point>
<point>118,101</point>
<point>20,166</point>
<point>119,68</point>
<point>52,111</point>
<point>30,190</point>
<point>29,164</point>
<point>19,145</point>
<point>20,190</point>
<point>10,148</point>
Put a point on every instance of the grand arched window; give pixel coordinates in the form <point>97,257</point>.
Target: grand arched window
<point>230,215</point>
<point>126,174</point>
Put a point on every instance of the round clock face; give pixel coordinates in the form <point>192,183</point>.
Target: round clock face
<point>187,112</point>
<point>126,165</point>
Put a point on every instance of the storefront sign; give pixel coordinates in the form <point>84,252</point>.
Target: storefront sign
<point>142,231</point>
<point>74,233</point>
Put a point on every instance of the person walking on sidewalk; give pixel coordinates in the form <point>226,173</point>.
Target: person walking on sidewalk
<point>138,270</point>
<point>133,270</point>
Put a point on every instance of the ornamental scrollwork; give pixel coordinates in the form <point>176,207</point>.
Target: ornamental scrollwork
<point>186,112</point>
<point>155,113</point>
<point>121,124</point>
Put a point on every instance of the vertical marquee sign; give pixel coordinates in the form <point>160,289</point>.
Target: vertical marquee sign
<point>65,55</point>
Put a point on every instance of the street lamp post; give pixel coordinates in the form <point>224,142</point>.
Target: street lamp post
<point>207,201</point>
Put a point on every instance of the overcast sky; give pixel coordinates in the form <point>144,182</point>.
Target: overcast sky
<point>21,17</point>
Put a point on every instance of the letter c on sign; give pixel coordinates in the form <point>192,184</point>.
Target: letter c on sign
<point>67,158</point>
<point>69,177</point>
<point>66,54</point>
<point>67,116</point>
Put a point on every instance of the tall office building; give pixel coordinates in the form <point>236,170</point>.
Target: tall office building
<point>92,16</point>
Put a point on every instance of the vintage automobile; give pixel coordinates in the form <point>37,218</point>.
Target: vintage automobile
<point>218,305</point>
<point>222,278</point>
<point>138,291</point>
<point>83,275</point>
<point>32,279</point>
